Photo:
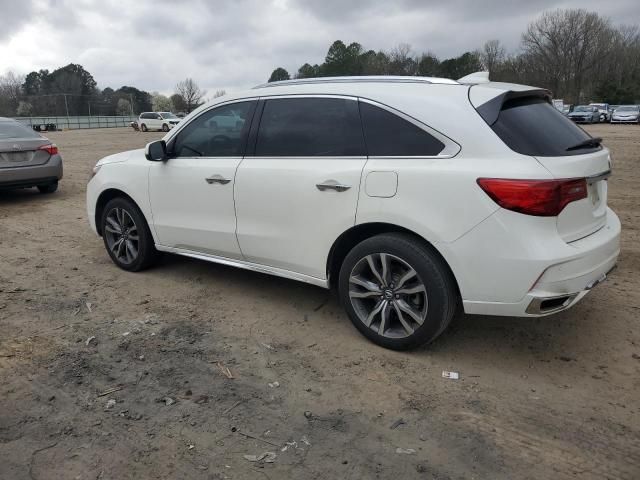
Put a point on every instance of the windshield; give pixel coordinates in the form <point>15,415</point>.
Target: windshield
<point>628,108</point>
<point>167,115</point>
<point>11,129</point>
<point>582,109</point>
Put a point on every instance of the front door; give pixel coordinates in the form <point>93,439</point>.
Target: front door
<point>298,191</point>
<point>191,194</point>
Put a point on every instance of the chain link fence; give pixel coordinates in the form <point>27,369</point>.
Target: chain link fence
<point>75,123</point>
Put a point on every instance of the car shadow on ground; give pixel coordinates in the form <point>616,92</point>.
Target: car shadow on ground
<point>518,341</point>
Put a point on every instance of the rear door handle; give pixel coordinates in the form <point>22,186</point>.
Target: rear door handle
<point>332,185</point>
<point>217,179</point>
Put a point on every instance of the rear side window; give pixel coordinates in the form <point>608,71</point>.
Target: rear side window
<point>307,127</point>
<point>388,135</point>
<point>531,126</point>
<point>10,129</point>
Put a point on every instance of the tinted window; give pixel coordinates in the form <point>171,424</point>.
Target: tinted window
<point>220,132</point>
<point>11,129</point>
<point>389,135</point>
<point>531,126</point>
<point>304,127</point>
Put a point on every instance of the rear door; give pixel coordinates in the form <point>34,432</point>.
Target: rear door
<point>191,194</point>
<point>298,190</point>
<point>19,146</point>
<point>531,126</point>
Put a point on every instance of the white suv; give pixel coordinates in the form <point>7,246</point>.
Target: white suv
<point>410,196</point>
<point>164,121</point>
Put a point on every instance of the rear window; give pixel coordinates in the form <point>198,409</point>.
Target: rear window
<point>16,130</point>
<point>531,126</point>
<point>388,135</point>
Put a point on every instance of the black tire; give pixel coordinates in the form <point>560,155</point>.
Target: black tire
<point>143,127</point>
<point>441,297</point>
<point>165,127</point>
<point>48,188</point>
<point>146,253</point>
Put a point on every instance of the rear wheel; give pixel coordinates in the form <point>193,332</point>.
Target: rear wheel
<point>48,188</point>
<point>126,235</point>
<point>143,127</point>
<point>397,292</point>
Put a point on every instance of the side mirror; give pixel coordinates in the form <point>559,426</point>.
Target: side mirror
<point>156,151</point>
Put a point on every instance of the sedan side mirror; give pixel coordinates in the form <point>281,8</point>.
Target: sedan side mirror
<point>156,151</point>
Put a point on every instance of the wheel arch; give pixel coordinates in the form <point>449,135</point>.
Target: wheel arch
<point>103,199</point>
<point>356,234</point>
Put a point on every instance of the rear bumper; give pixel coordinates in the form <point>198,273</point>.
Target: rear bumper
<point>519,269</point>
<point>20,177</point>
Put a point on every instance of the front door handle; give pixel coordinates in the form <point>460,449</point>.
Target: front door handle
<point>332,185</point>
<point>217,179</point>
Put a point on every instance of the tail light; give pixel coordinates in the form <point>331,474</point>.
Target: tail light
<point>51,149</point>
<point>542,198</point>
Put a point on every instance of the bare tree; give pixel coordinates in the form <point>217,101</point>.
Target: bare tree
<point>219,93</point>
<point>401,62</point>
<point>492,55</point>
<point>189,90</point>
<point>566,46</point>
<point>10,92</point>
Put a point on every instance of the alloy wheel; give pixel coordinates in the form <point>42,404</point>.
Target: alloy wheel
<point>388,295</point>
<point>121,233</point>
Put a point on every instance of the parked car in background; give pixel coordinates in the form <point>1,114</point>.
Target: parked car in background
<point>604,110</point>
<point>27,159</point>
<point>496,204</point>
<point>626,114</point>
<point>567,109</point>
<point>585,114</point>
<point>164,121</point>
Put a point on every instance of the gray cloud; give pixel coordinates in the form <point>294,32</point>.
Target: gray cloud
<point>14,16</point>
<point>152,44</point>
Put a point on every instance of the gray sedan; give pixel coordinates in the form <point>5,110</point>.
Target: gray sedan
<point>585,114</point>
<point>27,159</point>
<point>626,114</point>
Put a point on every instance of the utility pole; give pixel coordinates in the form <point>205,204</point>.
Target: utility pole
<point>66,106</point>
<point>89,103</point>
<point>131,103</point>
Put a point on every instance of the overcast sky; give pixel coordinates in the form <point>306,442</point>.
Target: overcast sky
<point>230,44</point>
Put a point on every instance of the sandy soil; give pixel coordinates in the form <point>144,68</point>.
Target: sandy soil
<point>552,398</point>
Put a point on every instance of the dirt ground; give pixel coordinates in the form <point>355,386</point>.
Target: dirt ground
<point>551,398</point>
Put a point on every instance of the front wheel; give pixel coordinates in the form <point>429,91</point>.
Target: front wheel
<point>397,292</point>
<point>143,127</point>
<point>126,235</point>
<point>165,127</point>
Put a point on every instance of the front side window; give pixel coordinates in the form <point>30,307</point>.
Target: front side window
<point>307,127</point>
<point>220,132</point>
<point>388,135</point>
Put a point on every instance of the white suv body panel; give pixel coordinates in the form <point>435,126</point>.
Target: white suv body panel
<point>501,260</point>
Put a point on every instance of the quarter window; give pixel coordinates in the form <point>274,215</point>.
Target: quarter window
<point>220,132</point>
<point>305,127</point>
<point>388,135</point>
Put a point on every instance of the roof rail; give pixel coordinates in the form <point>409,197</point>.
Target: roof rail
<point>359,79</point>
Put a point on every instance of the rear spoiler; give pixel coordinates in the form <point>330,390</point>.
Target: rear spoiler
<point>490,110</point>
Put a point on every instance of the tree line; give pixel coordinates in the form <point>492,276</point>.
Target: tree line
<point>72,90</point>
<point>578,55</point>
